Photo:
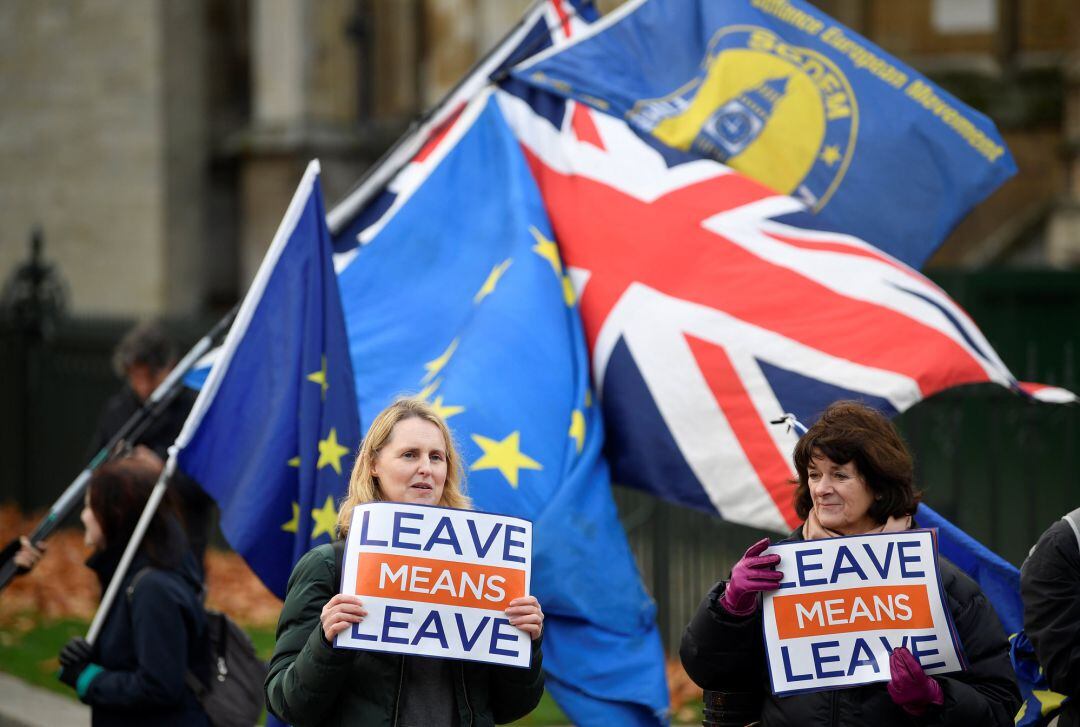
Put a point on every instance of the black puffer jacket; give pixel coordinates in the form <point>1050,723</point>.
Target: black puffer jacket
<point>727,653</point>
<point>1050,586</point>
<point>150,639</point>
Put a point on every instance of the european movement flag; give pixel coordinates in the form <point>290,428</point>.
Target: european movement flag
<point>789,97</point>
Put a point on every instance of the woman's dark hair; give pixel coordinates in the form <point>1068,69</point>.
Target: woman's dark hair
<point>119,491</point>
<point>852,432</point>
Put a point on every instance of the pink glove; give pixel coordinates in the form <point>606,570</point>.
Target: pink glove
<point>754,573</point>
<point>910,687</point>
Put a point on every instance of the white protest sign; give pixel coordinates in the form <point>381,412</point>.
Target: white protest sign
<point>436,581</point>
<point>846,603</point>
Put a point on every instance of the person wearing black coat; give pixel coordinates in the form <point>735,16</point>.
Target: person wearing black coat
<point>855,477</point>
<point>723,652</point>
<point>144,357</point>
<point>1050,587</point>
<point>136,671</point>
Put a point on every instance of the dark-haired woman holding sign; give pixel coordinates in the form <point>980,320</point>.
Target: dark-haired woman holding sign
<point>855,478</point>
<point>408,456</point>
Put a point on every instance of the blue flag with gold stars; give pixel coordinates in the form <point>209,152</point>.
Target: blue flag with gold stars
<point>274,431</point>
<point>460,296</point>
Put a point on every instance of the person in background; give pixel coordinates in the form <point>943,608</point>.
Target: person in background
<point>855,476</point>
<point>143,358</point>
<point>1050,588</point>
<point>408,456</point>
<point>154,634</point>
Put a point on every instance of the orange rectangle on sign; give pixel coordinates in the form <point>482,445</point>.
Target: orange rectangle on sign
<point>431,580</point>
<point>852,609</point>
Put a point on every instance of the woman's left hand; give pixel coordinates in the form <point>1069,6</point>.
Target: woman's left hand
<point>911,687</point>
<point>525,613</point>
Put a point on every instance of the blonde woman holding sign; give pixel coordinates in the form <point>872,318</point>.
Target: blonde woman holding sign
<point>408,456</point>
<point>855,478</point>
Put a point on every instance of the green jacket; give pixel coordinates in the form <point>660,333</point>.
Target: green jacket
<point>312,683</point>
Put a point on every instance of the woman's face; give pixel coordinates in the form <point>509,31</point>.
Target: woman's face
<point>841,498</point>
<point>411,466</point>
<point>94,536</point>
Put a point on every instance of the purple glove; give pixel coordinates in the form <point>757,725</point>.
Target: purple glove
<point>754,573</point>
<point>910,687</point>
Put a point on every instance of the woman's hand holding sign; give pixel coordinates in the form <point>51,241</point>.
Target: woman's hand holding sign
<point>752,574</point>
<point>911,687</point>
<point>339,613</point>
<point>525,614</point>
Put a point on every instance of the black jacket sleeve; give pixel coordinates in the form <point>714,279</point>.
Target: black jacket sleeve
<point>516,692</point>
<point>986,692</point>
<point>724,652</point>
<point>161,627</point>
<point>1050,587</point>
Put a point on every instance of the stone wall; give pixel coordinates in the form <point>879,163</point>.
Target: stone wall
<point>99,144</point>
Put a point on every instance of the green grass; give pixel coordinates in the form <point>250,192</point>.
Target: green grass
<point>546,713</point>
<point>29,652</point>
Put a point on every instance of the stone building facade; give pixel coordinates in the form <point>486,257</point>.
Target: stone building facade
<point>157,142</point>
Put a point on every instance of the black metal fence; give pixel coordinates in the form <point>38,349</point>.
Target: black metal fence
<point>1000,467</point>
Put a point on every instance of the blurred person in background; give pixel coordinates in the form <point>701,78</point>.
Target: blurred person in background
<point>855,476</point>
<point>143,358</point>
<point>1050,587</point>
<point>408,456</point>
<point>136,672</point>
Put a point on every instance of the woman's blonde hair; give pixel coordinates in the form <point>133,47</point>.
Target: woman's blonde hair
<point>364,486</point>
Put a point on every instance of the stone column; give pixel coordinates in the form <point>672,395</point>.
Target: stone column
<point>304,105</point>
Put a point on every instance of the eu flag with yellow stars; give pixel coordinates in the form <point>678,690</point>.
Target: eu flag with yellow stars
<point>459,295</point>
<point>275,429</point>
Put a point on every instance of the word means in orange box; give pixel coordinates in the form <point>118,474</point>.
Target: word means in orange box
<point>852,609</point>
<point>444,582</point>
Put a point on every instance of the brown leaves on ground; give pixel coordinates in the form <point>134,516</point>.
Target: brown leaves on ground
<point>233,588</point>
<point>61,586</point>
<point>681,689</point>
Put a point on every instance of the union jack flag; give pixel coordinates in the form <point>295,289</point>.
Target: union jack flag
<point>706,318</point>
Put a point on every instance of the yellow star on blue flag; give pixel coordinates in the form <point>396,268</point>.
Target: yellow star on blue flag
<point>319,377</point>
<point>325,519</point>
<point>330,452</point>
<point>504,455</point>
